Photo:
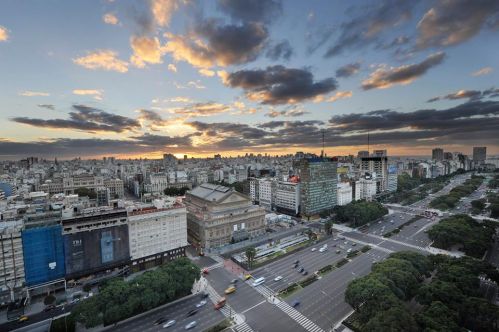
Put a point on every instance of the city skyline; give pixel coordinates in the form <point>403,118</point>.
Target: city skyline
<point>138,79</point>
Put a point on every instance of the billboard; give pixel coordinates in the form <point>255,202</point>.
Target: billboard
<point>96,250</point>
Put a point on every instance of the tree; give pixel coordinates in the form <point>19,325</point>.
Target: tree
<point>438,317</point>
<point>396,318</point>
<point>172,191</point>
<point>478,205</point>
<point>328,227</point>
<point>82,192</point>
<point>250,255</point>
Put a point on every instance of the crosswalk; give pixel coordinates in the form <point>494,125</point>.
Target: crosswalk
<point>243,327</point>
<point>298,317</point>
<point>287,309</point>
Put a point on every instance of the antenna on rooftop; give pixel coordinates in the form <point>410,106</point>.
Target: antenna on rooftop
<point>322,152</point>
<point>368,152</point>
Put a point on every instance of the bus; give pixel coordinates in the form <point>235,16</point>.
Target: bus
<point>258,281</point>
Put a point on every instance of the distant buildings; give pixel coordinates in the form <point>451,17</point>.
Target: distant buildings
<point>318,180</point>
<point>479,154</point>
<point>437,154</point>
<point>218,215</point>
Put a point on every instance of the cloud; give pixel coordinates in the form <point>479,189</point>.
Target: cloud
<point>97,94</point>
<point>206,72</point>
<point>110,18</point>
<point>483,71</point>
<point>251,11</point>
<point>102,59</point>
<point>172,67</point>
<point>47,106</point>
<point>145,50</point>
<point>200,109</point>
<point>28,93</point>
<point>383,78</point>
<point>281,50</point>
<point>70,148</point>
<point>293,112</point>
<point>279,85</point>
<point>162,11</point>
<point>87,119</point>
<point>181,100</point>
<point>196,84</point>
<point>467,94</point>
<point>212,43</point>
<point>348,70</point>
<point>371,22</point>
<point>453,22</point>
<point>340,95</point>
<point>4,34</point>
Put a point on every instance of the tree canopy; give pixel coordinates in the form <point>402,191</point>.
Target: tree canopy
<point>359,213</point>
<point>119,299</point>
<point>450,200</point>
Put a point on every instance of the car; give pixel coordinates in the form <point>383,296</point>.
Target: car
<point>295,303</point>
<point>277,278</point>
<point>334,245</point>
<point>342,237</point>
<point>301,270</point>
<point>247,276</point>
<point>391,221</point>
<point>75,300</point>
<point>220,303</point>
<point>297,261</point>
<point>322,249</point>
<point>379,222</point>
<point>230,290</point>
<point>346,242</point>
<point>23,318</point>
<point>200,304</point>
<point>170,323</point>
<point>313,249</point>
<point>205,295</point>
<point>234,281</point>
<point>354,244</point>
<point>49,307</point>
<point>160,320</point>
<point>305,272</point>
<point>295,266</point>
<point>191,325</point>
<point>338,251</point>
<point>192,312</point>
<point>349,250</point>
<point>206,271</point>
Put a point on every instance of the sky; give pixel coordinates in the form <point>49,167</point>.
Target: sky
<point>124,78</point>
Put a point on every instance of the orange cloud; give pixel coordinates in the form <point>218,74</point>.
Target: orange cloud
<point>102,59</point>
<point>145,49</point>
<point>340,95</point>
<point>4,34</point>
<point>97,94</point>
<point>483,71</point>
<point>206,72</point>
<point>162,11</point>
<point>172,67</point>
<point>110,18</point>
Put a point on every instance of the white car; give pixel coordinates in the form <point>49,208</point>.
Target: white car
<point>170,323</point>
<point>277,278</point>
<point>191,325</point>
<point>313,249</point>
<point>200,304</point>
<point>322,249</point>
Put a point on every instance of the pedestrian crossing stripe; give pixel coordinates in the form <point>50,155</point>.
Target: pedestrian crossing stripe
<point>243,327</point>
<point>299,317</point>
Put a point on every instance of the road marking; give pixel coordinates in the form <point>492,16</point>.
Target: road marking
<point>256,305</point>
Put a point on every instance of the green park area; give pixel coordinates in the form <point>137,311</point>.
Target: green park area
<point>411,292</point>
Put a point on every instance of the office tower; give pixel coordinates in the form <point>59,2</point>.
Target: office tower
<point>437,154</point>
<point>377,168</point>
<point>379,153</point>
<point>318,184</point>
<point>479,154</point>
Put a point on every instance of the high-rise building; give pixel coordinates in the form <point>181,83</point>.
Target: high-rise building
<point>437,154</point>
<point>218,215</point>
<point>377,168</point>
<point>479,154</point>
<point>157,233</point>
<point>11,261</point>
<point>448,156</point>
<point>287,197</point>
<point>363,154</point>
<point>318,184</point>
<point>379,153</point>
<point>344,193</point>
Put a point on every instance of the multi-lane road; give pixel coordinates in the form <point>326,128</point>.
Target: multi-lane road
<point>206,317</point>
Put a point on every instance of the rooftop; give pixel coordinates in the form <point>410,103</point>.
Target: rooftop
<point>210,192</point>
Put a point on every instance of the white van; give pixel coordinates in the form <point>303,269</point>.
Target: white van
<point>258,281</point>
